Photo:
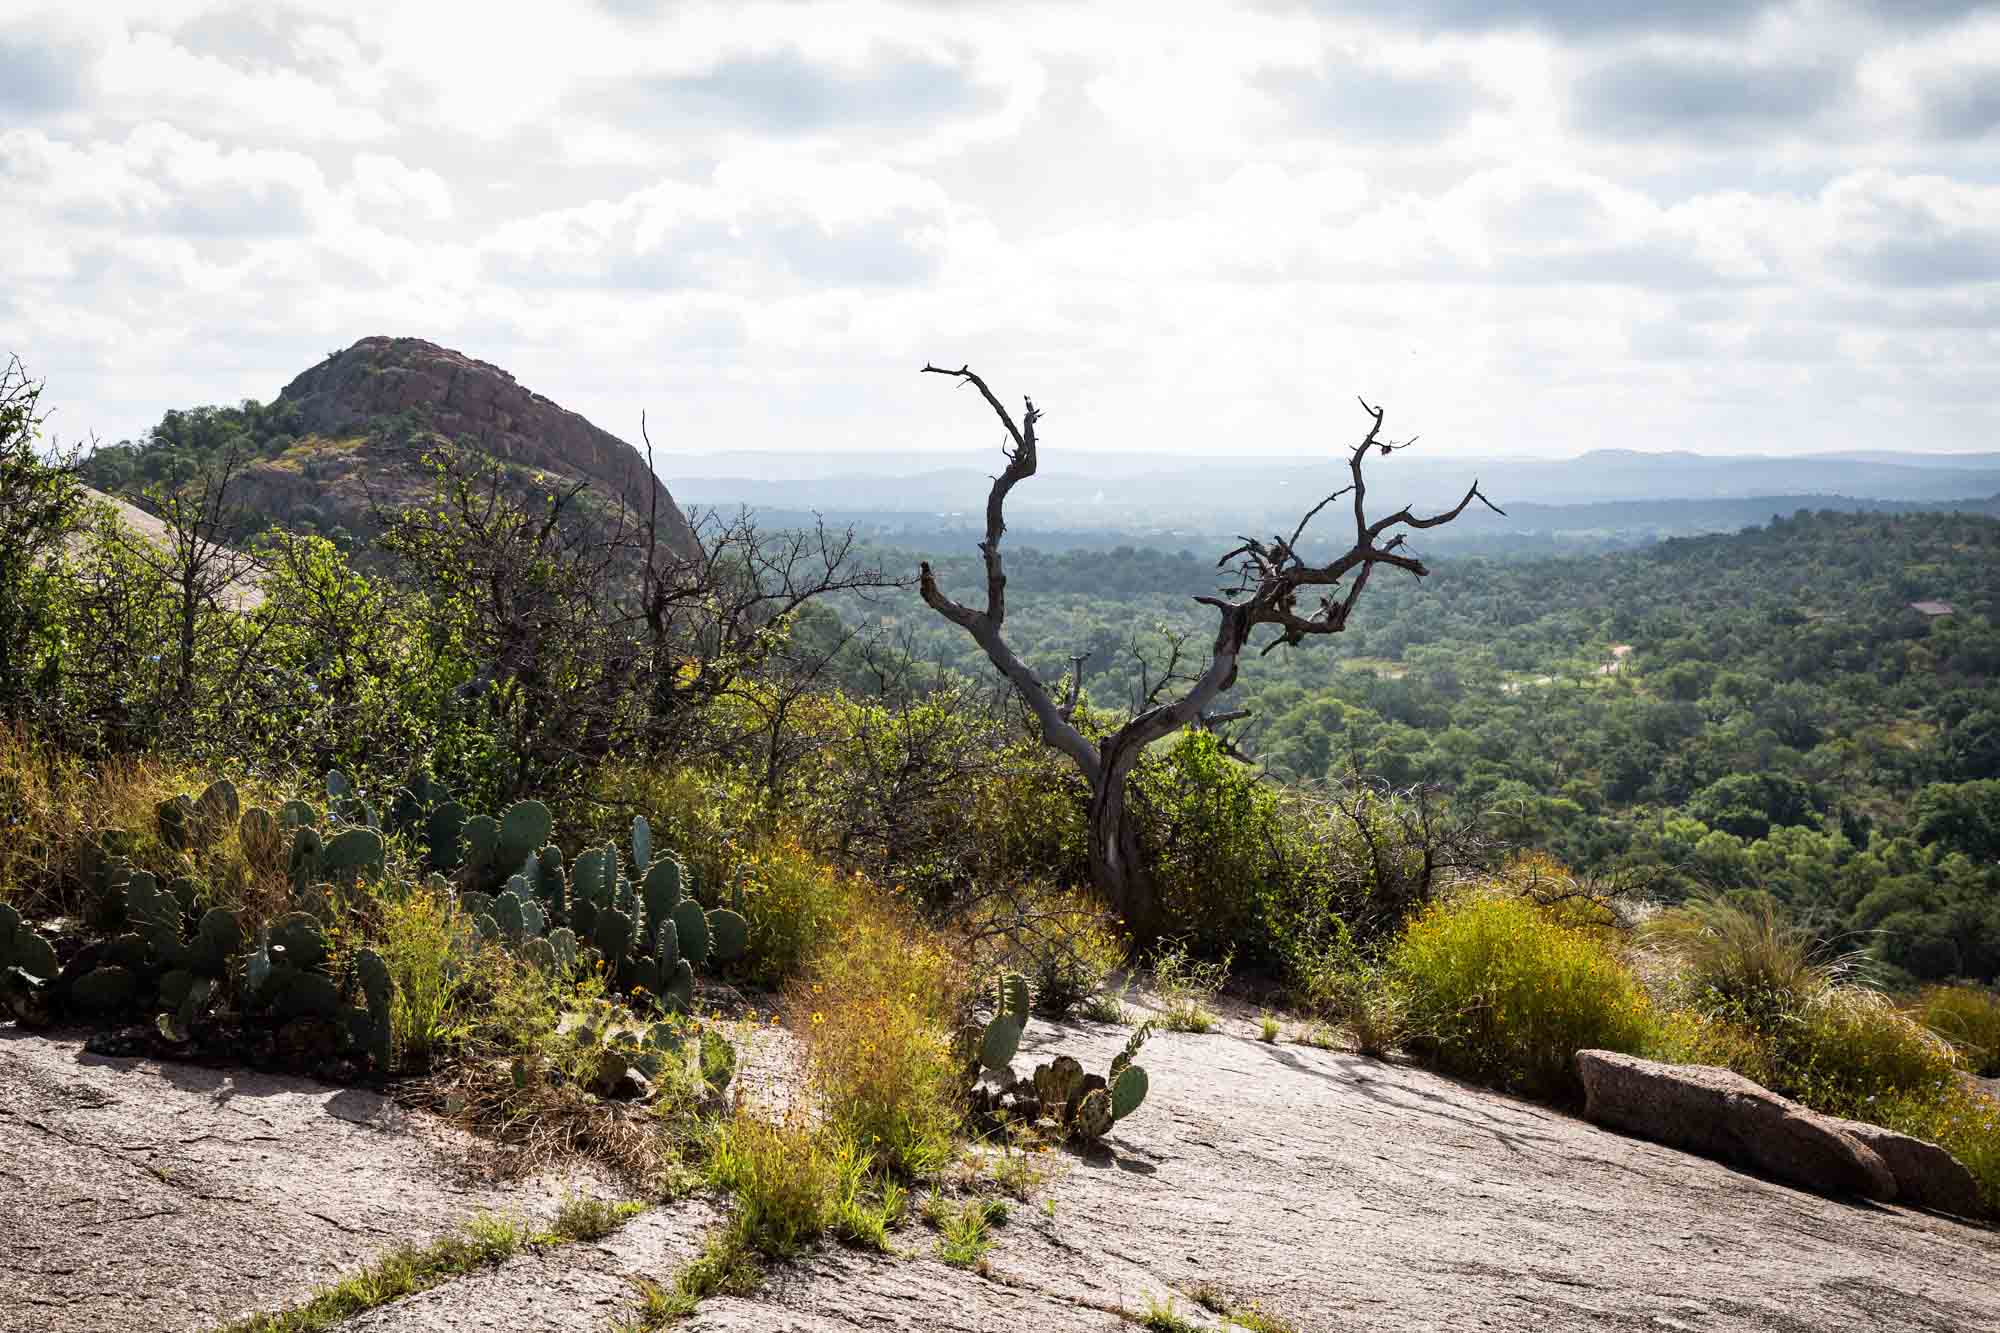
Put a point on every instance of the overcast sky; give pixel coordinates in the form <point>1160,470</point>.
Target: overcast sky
<point>1530,227</point>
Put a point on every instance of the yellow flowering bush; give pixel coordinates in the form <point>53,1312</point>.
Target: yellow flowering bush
<point>875,1010</point>
<point>1490,986</point>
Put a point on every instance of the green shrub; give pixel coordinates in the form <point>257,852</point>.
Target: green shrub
<point>1969,1018</point>
<point>794,904</point>
<point>875,1011</point>
<point>1188,986</point>
<point>1492,988</point>
<point>789,1178</point>
<point>1207,825</point>
<point>1960,1121</point>
<point>1062,941</point>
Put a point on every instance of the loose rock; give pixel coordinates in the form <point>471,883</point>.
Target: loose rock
<point>1718,1113</point>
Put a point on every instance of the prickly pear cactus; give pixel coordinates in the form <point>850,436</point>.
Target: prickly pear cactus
<point>691,930</point>
<point>104,990</point>
<point>662,888</point>
<point>482,842</point>
<point>524,828</point>
<point>1056,1082</point>
<point>728,935</point>
<point>215,812</point>
<point>27,965</point>
<point>370,1027</point>
<point>678,990</point>
<point>999,1041</point>
<point>174,820</point>
<point>351,854</point>
<point>613,936</point>
<point>642,843</point>
<point>297,815</point>
<point>1012,997</point>
<point>444,837</point>
<point>262,839</point>
<point>1092,1118</point>
<point>303,863</point>
<point>22,951</point>
<point>1127,1091</point>
<point>541,953</point>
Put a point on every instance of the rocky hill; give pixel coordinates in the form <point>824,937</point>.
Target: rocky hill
<point>349,436</point>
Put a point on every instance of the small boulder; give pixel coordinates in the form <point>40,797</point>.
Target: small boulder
<point>1720,1114</point>
<point>1926,1175</point>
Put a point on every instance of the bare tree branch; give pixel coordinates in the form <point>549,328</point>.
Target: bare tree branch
<point>1269,578</point>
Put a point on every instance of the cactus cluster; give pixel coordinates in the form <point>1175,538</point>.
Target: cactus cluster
<point>286,975</point>
<point>196,967</point>
<point>651,934</point>
<point>615,1044</point>
<point>27,964</point>
<point>638,918</point>
<point>1083,1106</point>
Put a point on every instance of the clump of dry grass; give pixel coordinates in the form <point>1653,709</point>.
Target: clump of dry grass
<point>511,1079</point>
<point>1747,958</point>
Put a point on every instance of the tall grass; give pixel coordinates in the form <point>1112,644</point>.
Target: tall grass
<point>1969,1018</point>
<point>424,938</point>
<point>1745,959</point>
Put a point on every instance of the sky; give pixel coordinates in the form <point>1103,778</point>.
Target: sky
<point>1525,228</point>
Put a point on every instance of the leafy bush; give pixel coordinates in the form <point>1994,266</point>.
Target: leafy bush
<point>1188,986</point>
<point>794,903</point>
<point>1208,825</point>
<point>1851,1046</point>
<point>1958,1120</point>
<point>1969,1018</point>
<point>1494,989</point>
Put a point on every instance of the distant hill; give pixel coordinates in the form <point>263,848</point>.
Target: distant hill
<point>350,435</point>
<point>1087,485</point>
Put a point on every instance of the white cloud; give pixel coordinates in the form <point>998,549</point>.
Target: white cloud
<point>384,187</point>
<point>1750,228</point>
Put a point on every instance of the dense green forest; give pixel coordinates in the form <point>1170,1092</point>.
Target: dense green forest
<point>1762,710</point>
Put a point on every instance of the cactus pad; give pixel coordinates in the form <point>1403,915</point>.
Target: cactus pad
<point>729,935</point>
<point>1092,1118</point>
<point>1127,1091</point>
<point>999,1042</point>
<point>642,843</point>
<point>691,926</point>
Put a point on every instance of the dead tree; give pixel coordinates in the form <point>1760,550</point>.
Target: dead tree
<point>1270,580</point>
